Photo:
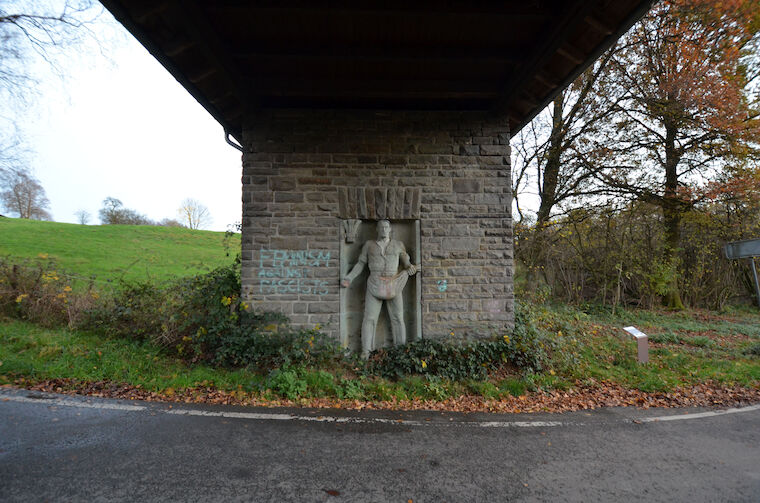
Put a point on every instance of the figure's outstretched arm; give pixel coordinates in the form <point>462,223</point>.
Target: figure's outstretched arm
<point>357,270</point>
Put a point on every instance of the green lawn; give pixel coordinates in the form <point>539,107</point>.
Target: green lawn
<point>590,347</point>
<point>688,348</point>
<point>40,353</point>
<point>685,347</point>
<point>111,252</point>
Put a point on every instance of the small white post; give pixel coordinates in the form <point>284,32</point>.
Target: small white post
<point>642,341</point>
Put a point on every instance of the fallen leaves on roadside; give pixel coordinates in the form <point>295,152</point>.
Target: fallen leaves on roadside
<point>581,397</point>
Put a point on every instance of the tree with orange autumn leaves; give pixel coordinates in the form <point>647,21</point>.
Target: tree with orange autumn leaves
<point>685,126</point>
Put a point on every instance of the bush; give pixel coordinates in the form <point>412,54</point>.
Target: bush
<point>527,347</point>
<point>616,255</point>
<point>250,345</point>
<point>287,383</point>
<point>137,310</point>
<point>202,318</point>
<point>37,291</point>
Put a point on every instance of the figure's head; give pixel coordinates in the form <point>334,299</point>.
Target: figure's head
<point>383,229</point>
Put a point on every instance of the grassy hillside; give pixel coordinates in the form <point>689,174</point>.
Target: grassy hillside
<point>111,252</point>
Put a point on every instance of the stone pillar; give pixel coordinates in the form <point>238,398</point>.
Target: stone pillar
<point>302,168</point>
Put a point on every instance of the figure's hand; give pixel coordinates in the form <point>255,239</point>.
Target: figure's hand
<point>345,282</point>
<point>412,270</point>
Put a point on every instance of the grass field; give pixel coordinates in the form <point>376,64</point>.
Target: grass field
<point>688,348</point>
<point>112,252</point>
<point>685,347</point>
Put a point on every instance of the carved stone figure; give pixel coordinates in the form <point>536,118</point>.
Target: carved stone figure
<point>385,284</point>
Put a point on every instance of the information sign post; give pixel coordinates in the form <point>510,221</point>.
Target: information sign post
<point>750,249</point>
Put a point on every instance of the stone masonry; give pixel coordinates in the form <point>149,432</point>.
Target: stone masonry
<point>301,166</point>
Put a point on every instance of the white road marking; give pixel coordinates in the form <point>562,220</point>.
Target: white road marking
<point>290,417</point>
<point>72,403</point>
<point>518,424</point>
<point>263,416</point>
<point>698,415</point>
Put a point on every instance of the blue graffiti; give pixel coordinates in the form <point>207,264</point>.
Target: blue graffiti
<point>294,258</point>
<point>289,271</point>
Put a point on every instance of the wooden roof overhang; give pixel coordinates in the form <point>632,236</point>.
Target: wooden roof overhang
<point>512,57</point>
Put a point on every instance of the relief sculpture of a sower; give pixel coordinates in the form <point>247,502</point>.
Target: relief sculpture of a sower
<point>385,284</point>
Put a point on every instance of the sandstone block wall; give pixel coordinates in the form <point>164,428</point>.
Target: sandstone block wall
<point>303,169</point>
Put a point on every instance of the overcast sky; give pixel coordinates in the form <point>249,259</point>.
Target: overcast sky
<point>119,125</point>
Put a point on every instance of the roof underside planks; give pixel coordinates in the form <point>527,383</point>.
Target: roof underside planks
<point>511,57</point>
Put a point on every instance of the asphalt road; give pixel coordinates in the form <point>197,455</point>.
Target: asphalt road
<point>55,448</point>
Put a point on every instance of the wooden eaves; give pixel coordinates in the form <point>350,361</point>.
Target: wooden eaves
<point>510,57</point>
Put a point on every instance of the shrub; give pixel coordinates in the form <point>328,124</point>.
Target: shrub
<point>37,291</point>
<point>615,254</point>
<point>287,383</point>
<point>260,349</point>
<point>136,310</point>
<point>202,318</point>
<point>353,389</point>
<point>527,347</point>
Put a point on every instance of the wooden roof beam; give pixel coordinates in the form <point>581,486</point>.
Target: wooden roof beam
<point>201,74</point>
<point>177,45</point>
<point>208,42</point>
<point>605,44</point>
<point>529,98</point>
<point>147,10</point>
<point>547,80</point>
<point>536,60</point>
<point>373,87</point>
<point>513,9</point>
<point>383,54</point>
<point>598,25</point>
<point>571,53</point>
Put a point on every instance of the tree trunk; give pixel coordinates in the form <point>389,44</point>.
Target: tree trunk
<point>539,243</point>
<point>671,209</point>
<point>548,191</point>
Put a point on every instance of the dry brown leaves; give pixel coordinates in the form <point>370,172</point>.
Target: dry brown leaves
<point>582,397</point>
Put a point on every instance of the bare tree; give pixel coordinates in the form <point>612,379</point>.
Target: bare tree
<point>194,214</point>
<point>33,39</point>
<point>170,222</point>
<point>83,216</point>
<point>113,212</point>
<point>551,154</point>
<point>23,195</point>
<point>32,30</point>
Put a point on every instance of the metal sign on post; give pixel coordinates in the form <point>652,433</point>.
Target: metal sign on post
<point>749,248</point>
<point>642,343</point>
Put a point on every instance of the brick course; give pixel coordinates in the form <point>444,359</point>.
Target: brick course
<point>303,170</point>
